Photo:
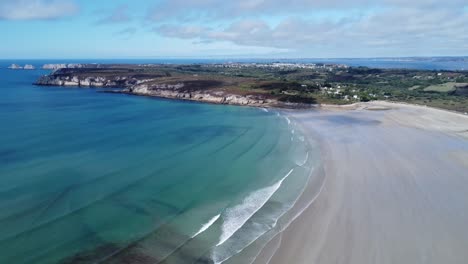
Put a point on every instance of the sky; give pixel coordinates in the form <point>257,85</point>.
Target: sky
<point>224,28</point>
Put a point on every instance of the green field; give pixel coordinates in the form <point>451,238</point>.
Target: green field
<point>442,88</point>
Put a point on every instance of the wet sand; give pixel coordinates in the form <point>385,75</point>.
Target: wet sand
<point>395,188</point>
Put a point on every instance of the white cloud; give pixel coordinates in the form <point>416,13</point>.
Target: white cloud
<point>36,9</point>
<point>397,31</point>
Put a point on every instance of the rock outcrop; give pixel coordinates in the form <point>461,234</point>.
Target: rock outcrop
<point>15,67</point>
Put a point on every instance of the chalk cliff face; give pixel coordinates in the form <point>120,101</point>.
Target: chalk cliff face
<point>180,91</point>
<point>94,81</point>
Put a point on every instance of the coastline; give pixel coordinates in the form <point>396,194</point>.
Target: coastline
<point>394,187</point>
<point>264,87</point>
<point>340,211</point>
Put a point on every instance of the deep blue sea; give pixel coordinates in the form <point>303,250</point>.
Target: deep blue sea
<point>92,177</point>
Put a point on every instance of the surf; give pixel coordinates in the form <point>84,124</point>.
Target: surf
<point>207,225</point>
<point>235,217</point>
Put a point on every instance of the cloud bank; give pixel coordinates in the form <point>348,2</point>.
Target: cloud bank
<point>393,27</point>
<point>299,28</point>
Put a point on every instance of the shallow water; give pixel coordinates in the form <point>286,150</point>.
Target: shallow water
<point>96,177</point>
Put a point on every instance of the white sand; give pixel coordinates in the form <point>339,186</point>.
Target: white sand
<point>395,188</point>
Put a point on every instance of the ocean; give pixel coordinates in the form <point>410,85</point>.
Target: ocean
<point>93,177</point>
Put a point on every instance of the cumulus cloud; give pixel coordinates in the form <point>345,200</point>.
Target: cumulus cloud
<point>117,15</point>
<point>36,9</point>
<point>410,30</point>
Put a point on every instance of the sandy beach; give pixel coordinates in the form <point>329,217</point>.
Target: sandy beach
<point>394,188</point>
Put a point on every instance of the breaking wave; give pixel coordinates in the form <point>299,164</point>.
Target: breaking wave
<point>235,217</point>
<point>207,225</point>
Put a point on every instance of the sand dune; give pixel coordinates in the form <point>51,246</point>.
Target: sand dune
<point>395,190</point>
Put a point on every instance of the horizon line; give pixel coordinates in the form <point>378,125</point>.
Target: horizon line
<point>242,57</point>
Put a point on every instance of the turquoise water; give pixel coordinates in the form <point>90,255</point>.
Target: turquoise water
<point>91,177</point>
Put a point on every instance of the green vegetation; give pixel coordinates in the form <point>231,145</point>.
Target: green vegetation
<point>442,88</point>
<point>331,84</point>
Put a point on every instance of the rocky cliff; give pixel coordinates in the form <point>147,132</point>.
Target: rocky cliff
<point>141,81</point>
<point>184,92</point>
<point>86,81</point>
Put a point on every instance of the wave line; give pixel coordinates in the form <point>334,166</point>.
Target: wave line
<point>207,225</point>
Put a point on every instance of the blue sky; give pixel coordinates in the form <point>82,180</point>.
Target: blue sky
<point>242,28</point>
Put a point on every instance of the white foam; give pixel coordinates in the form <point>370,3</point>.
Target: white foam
<point>217,260</point>
<point>265,110</point>
<point>287,119</point>
<point>305,160</point>
<point>285,225</point>
<point>234,218</point>
<point>207,225</point>
<point>221,259</point>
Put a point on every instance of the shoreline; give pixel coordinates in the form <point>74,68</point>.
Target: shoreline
<point>285,106</point>
<point>360,216</point>
<point>281,106</point>
<point>301,106</point>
